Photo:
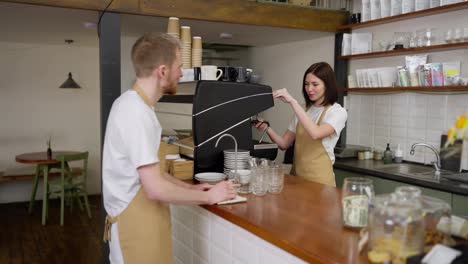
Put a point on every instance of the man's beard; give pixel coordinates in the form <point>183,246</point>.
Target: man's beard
<point>171,88</point>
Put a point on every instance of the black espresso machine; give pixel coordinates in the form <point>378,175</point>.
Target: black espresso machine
<point>224,108</point>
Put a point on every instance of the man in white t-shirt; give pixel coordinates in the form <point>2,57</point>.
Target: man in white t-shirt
<point>135,191</point>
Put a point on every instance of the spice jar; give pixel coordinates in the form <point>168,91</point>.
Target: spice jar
<point>356,194</point>
<point>377,155</point>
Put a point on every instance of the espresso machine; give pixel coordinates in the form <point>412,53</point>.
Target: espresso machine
<point>220,108</point>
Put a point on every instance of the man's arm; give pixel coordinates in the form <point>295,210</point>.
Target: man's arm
<point>165,188</point>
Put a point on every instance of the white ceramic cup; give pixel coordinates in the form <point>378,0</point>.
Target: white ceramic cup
<point>210,72</point>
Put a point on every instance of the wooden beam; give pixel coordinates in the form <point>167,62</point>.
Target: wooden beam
<point>229,11</point>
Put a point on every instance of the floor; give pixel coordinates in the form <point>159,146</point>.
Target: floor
<point>24,240</point>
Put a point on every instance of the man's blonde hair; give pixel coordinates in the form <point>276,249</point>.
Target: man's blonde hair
<point>152,50</point>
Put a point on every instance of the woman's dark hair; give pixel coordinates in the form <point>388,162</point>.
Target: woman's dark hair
<point>324,72</point>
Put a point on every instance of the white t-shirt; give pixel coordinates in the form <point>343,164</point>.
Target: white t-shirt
<point>132,140</point>
<point>335,116</point>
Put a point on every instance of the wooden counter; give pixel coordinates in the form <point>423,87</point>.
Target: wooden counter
<point>304,220</point>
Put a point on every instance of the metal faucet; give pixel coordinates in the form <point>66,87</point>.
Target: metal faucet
<point>437,163</point>
<point>235,148</point>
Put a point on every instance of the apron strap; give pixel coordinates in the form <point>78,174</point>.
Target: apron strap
<point>322,114</point>
<point>107,227</point>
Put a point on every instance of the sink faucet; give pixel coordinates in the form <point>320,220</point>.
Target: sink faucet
<point>235,148</point>
<point>436,163</point>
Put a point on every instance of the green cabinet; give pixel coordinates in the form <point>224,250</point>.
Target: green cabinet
<point>459,203</point>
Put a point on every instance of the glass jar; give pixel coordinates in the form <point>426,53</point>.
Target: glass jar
<point>436,213</point>
<point>396,229</point>
<point>276,179</point>
<point>356,194</point>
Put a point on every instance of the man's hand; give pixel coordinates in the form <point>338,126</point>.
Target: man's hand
<point>221,192</point>
<point>202,187</point>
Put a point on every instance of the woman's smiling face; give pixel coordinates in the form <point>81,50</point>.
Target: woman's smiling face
<point>315,88</point>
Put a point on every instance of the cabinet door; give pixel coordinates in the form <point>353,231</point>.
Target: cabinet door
<point>340,175</point>
<point>382,186</point>
<point>459,205</point>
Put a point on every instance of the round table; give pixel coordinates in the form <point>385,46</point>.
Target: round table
<point>44,164</point>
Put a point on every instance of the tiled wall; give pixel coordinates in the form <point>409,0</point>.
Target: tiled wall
<point>403,118</point>
<point>200,237</point>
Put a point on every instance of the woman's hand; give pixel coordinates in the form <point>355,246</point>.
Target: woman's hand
<point>260,125</point>
<point>284,96</point>
<point>202,187</point>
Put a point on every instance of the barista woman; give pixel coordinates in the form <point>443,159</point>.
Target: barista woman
<point>315,129</point>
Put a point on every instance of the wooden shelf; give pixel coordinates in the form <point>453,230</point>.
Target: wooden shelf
<point>412,88</point>
<point>425,12</point>
<point>433,48</point>
<point>177,98</point>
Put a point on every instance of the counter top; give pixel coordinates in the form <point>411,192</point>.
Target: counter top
<point>304,220</point>
<point>369,167</point>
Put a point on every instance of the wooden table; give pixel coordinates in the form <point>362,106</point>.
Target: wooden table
<point>304,220</point>
<point>44,164</point>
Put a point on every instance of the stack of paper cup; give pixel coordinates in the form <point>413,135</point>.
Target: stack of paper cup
<point>173,27</point>
<point>197,52</point>
<point>185,47</point>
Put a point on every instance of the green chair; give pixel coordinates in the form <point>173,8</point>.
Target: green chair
<point>71,187</point>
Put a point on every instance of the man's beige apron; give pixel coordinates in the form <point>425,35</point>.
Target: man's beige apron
<point>311,160</point>
<point>144,227</point>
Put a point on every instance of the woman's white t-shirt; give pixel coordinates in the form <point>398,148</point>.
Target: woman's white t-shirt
<point>335,116</point>
<point>132,140</point>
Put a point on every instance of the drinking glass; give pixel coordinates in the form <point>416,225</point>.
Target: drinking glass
<point>259,183</point>
<point>276,179</point>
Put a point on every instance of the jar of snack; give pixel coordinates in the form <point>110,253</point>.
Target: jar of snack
<point>396,229</point>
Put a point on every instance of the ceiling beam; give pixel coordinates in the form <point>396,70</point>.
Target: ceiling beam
<point>229,11</point>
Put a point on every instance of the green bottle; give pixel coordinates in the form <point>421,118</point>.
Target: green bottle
<point>387,155</point>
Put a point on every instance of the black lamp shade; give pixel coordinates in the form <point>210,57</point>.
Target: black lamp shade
<point>70,83</point>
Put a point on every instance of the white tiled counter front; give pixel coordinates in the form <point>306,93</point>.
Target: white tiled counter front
<point>201,237</point>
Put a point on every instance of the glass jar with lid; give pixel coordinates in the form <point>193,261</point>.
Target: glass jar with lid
<point>436,213</point>
<point>396,229</point>
<point>356,194</point>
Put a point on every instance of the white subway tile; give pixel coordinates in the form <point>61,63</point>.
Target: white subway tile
<point>417,111</point>
<point>399,99</point>
<point>399,121</point>
<point>221,235</point>
<point>382,110</point>
<point>267,248</point>
<point>436,101</point>
<point>185,235</point>
<point>382,131</point>
<point>382,120</point>
<point>201,247</point>
<point>352,137</point>
<point>244,250</point>
<point>398,132</point>
<point>201,224</point>
<point>177,261</point>
<point>417,134</point>
<point>382,100</point>
<point>380,142</point>
<point>198,260</point>
<point>218,256</point>
<point>366,141</point>
<point>417,100</point>
<point>367,100</point>
<point>366,130</point>
<point>269,258</point>
<point>436,124</point>
<point>182,253</point>
<point>458,100</point>
<point>435,112</point>
<point>399,110</point>
<point>433,135</point>
<point>419,123</point>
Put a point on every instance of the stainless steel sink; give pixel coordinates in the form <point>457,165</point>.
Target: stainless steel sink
<point>413,171</point>
<point>421,172</point>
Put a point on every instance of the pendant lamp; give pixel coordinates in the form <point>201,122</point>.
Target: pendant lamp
<point>69,82</point>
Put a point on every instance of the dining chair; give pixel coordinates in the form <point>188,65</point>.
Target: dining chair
<point>71,187</point>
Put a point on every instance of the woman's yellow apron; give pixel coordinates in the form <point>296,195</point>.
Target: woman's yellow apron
<point>144,227</point>
<point>311,160</point>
